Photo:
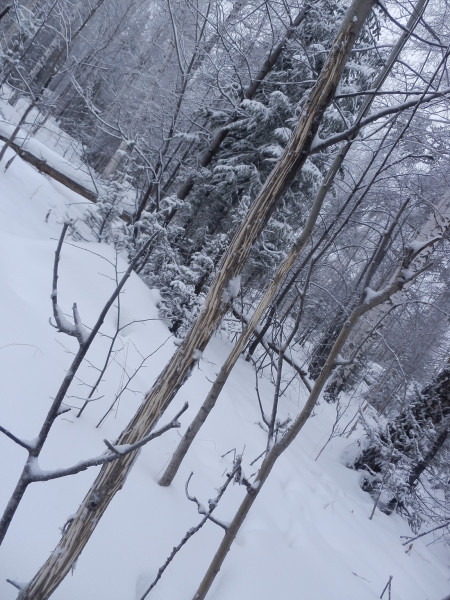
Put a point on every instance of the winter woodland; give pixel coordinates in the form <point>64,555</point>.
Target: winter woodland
<point>225,353</point>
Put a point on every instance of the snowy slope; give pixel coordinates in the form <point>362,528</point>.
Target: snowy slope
<point>308,535</point>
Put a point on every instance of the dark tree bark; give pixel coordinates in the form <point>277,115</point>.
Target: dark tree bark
<point>4,12</point>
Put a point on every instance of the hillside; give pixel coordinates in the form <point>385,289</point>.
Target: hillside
<point>308,535</point>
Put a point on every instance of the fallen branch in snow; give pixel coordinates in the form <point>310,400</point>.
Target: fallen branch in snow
<point>43,167</point>
<point>412,539</point>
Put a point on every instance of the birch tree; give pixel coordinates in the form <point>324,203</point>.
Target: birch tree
<point>412,264</point>
<point>112,477</point>
<point>283,269</point>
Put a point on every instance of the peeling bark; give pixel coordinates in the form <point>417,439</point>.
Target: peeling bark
<point>112,477</point>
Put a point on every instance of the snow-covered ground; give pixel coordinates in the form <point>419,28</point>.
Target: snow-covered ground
<point>308,534</point>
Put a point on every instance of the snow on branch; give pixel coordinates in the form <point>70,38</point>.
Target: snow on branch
<point>34,472</point>
<point>415,259</point>
<point>17,440</point>
<point>206,512</point>
<point>75,329</point>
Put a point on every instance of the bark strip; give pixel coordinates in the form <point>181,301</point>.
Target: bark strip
<point>112,477</point>
<point>412,264</point>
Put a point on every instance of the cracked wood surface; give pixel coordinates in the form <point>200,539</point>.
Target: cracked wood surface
<point>112,476</point>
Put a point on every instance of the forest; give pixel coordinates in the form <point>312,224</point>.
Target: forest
<point>236,214</point>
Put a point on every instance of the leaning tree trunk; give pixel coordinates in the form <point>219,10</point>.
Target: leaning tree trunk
<point>412,264</point>
<point>362,339</point>
<point>335,166</point>
<point>420,467</point>
<point>112,477</point>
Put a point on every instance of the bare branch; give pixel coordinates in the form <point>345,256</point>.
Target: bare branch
<point>15,584</point>
<point>411,539</point>
<point>212,504</point>
<point>62,324</point>
<point>174,424</point>
<point>15,439</point>
<point>391,110</point>
<point>116,452</point>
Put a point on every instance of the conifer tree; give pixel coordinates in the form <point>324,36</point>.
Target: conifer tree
<point>396,455</point>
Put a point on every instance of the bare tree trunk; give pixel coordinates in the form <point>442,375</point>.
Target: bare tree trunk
<point>340,157</point>
<point>362,337</point>
<point>112,477</point>
<point>412,262</point>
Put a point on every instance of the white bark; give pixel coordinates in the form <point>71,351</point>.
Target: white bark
<point>410,266</point>
<point>112,477</point>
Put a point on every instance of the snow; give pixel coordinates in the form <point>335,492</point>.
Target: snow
<point>273,150</point>
<point>197,354</point>
<point>232,289</point>
<point>34,470</point>
<point>255,108</point>
<point>416,246</point>
<point>284,134</point>
<point>308,533</point>
<point>65,324</point>
<point>371,295</point>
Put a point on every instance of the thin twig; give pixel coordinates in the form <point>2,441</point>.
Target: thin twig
<point>16,439</point>
<point>115,452</point>
<point>212,504</point>
<point>387,587</point>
